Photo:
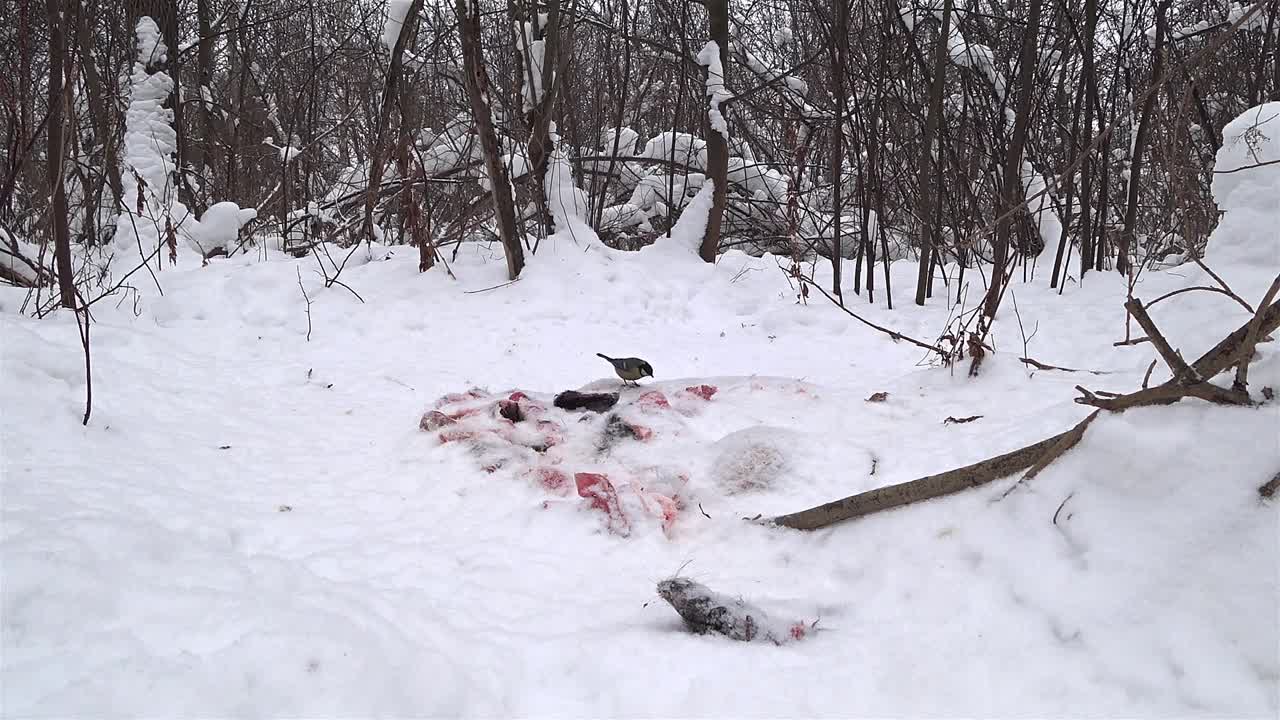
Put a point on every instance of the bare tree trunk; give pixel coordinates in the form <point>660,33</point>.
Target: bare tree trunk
<point>99,109</point>
<point>717,143</point>
<point>57,190</point>
<point>1012,193</point>
<point>929,239</point>
<point>839,41</point>
<point>1086,167</point>
<point>1140,145</point>
<point>201,149</point>
<point>477,82</point>
<point>390,93</point>
<point>541,110</point>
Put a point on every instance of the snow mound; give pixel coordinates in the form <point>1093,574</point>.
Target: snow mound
<point>1246,189</point>
<point>756,458</point>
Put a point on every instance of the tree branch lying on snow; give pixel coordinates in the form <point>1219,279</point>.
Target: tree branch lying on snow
<point>1236,348</point>
<point>1036,455</point>
<point>1193,380</point>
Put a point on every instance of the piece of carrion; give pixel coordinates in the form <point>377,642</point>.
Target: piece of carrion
<point>703,391</point>
<point>595,402</point>
<point>434,420</point>
<point>616,429</point>
<point>706,611</point>
<point>602,496</point>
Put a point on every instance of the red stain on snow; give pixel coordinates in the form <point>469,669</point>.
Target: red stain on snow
<point>553,479</point>
<point>653,400</point>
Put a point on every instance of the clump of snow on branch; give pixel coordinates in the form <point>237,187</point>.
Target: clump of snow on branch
<point>566,202</point>
<point>709,57</point>
<point>149,146</point>
<point>688,231</point>
<point>1041,208</point>
<point>532,56</point>
<point>397,14</point>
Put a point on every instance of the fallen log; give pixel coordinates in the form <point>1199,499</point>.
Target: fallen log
<point>933,486</point>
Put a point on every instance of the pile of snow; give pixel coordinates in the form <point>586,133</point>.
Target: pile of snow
<point>218,227</point>
<point>1246,189</point>
<point>754,458</point>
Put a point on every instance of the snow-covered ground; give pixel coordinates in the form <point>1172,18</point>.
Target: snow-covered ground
<point>254,525</point>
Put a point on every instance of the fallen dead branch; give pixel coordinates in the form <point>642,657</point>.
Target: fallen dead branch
<point>1190,380</point>
<point>1193,380</point>
<point>1045,366</point>
<point>933,486</point>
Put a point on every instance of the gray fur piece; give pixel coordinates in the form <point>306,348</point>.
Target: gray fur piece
<point>706,611</point>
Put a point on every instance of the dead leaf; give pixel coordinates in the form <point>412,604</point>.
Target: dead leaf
<point>878,397</point>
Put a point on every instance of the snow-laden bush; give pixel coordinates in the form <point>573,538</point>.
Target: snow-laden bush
<point>1247,190</point>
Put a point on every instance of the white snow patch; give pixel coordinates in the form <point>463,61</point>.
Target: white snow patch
<point>1246,189</point>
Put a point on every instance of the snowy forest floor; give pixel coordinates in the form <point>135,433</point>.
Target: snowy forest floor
<point>253,524</point>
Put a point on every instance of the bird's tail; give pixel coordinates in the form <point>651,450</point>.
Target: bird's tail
<point>606,357</point>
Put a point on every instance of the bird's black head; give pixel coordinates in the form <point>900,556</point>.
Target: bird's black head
<point>646,369</point>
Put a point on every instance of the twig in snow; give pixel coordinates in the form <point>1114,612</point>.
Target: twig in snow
<point>495,287</point>
<point>82,323</point>
<point>891,333</point>
<point>1146,379</point>
<point>1251,338</point>
<point>1045,366</point>
<point>308,299</point>
<point>1222,283</point>
<point>951,420</point>
<point>1062,505</point>
<point>1064,442</point>
<point>1270,487</point>
<point>1202,288</point>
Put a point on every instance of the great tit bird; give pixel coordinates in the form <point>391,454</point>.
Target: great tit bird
<point>629,369</point>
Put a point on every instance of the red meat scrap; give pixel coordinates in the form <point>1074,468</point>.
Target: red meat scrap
<point>604,497</point>
<point>703,391</point>
<point>662,506</point>
<point>434,420</point>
